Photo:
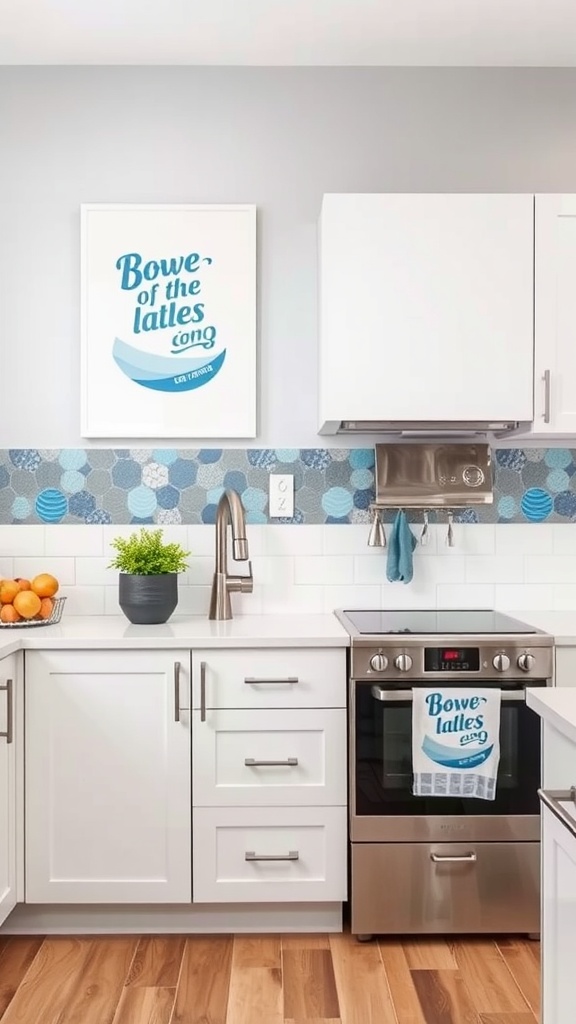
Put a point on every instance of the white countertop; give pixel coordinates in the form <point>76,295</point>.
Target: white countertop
<point>194,631</point>
<point>562,625</point>
<point>556,705</point>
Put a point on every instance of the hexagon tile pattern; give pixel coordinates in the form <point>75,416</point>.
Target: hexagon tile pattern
<point>332,485</point>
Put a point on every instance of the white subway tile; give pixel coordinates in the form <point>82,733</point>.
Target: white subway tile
<point>64,569</point>
<point>467,595</point>
<point>271,571</point>
<point>342,539</point>
<point>95,572</point>
<point>370,570</point>
<point>551,569</point>
<point>495,569</point>
<point>404,596</point>
<point>111,605</point>
<point>6,568</point>
<point>527,596</point>
<point>22,540</point>
<point>525,539</point>
<point>248,604</point>
<point>294,539</point>
<point>201,539</point>
<point>469,539</point>
<point>289,599</point>
<point>193,601</point>
<point>564,538</point>
<point>352,597</point>
<point>83,600</point>
<point>564,597</point>
<point>319,569</point>
<point>73,540</point>
<point>201,571</point>
<point>439,569</point>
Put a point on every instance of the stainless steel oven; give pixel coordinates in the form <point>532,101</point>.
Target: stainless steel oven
<point>442,864</point>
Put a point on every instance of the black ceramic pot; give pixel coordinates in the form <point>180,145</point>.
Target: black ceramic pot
<point>148,600</point>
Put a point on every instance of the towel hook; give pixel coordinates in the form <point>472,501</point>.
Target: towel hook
<point>425,535</point>
<point>377,535</point>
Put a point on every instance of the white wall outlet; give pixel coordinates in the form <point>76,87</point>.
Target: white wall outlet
<point>281,493</point>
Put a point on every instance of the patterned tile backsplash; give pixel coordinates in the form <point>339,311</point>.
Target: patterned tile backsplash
<point>332,485</point>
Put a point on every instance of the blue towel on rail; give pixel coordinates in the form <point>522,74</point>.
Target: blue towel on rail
<point>401,545</point>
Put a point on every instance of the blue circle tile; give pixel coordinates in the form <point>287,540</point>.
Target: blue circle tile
<point>558,480</point>
<point>507,507</point>
<point>565,504</point>
<point>142,501</point>
<point>208,514</point>
<point>466,515</point>
<point>536,504</point>
<point>183,473</point>
<point>254,499</point>
<point>72,481</point>
<point>254,517</point>
<point>21,508</point>
<point>127,474</point>
<point>362,458</point>
<point>82,504</point>
<point>168,496</point>
<point>315,458</point>
<point>4,477</point>
<point>72,458</point>
<point>361,479</point>
<point>363,498</point>
<point>236,480</point>
<point>337,502</point>
<point>558,458</point>
<point>99,515</point>
<point>287,454</point>
<point>213,495</point>
<point>209,454</point>
<point>263,458</point>
<point>337,519</point>
<point>165,456</point>
<point>511,458</point>
<point>25,458</point>
<point>51,505</point>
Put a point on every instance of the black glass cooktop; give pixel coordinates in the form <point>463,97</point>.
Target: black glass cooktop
<point>375,622</point>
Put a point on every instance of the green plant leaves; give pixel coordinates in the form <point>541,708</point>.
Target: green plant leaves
<point>145,554</point>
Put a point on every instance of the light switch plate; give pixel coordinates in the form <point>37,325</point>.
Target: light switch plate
<point>281,493</point>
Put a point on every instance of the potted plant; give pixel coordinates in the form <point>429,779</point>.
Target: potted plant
<point>148,581</point>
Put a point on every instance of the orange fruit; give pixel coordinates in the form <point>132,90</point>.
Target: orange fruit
<point>23,584</point>
<point>8,591</point>
<point>46,606</point>
<point>44,585</point>
<point>27,603</point>
<point>8,613</point>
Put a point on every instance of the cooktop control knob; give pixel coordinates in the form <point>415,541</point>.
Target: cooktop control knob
<point>379,662</point>
<point>526,662</point>
<point>403,662</point>
<point>501,662</point>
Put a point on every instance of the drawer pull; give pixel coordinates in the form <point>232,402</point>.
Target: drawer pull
<point>250,855</point>
<point>176,691</point>
<point>8,686</point>
<point>202,691</point>
<point>446,858</point>
<point>250,680</point>
<point>290,762</point>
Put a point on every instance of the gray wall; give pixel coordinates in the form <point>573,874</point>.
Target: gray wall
<point>278,138</point>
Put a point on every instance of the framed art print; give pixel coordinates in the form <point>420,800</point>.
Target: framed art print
<point>168,340</point>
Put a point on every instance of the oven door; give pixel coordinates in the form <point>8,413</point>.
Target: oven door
<point>382,806</point>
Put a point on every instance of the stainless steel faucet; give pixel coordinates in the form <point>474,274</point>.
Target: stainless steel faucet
<point>229,510</point>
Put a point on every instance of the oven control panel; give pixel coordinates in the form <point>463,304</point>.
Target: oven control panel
<point>451,659</point>
<point>431,662</point>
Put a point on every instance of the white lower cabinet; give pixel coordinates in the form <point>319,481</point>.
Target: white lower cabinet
<point>10,809</point>
<point>269,776</point>
<point>108,792</point>
<point>558,920</point>
<point>269,854</point>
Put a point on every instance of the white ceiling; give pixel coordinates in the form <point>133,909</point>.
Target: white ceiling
<point>289,32</point>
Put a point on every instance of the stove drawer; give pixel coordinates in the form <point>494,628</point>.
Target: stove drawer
<point>443,888</point>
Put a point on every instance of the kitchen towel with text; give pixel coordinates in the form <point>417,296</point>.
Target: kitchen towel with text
<point>456,742</point>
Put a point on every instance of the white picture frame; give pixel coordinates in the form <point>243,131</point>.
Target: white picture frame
<point>168,321</point>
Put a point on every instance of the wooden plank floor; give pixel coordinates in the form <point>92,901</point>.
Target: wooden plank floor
<point>249,979</point>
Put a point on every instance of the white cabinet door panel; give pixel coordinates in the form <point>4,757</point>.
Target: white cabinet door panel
<point>271,678</point>
<point>8,785</point>
<point>269,758</point>
<point>558,920</point>
<point>108,804</point>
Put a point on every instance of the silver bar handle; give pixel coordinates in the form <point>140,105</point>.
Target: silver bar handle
<point>252,680</point>
<point>202,691</point>
<point>546,379</point>
<point>290,762</point>
<point>446,858</point>
<point>251,855</point>
<point>390,696</point>
<point>8,688</point>
<point>176,691</point>
<point>553,799</point>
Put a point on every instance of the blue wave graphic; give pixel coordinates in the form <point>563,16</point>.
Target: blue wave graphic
<point>160,373</point>
<point>449,758</point>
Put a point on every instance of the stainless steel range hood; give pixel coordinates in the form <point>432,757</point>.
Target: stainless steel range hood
<point>424,428</point>
<point>433,475</point>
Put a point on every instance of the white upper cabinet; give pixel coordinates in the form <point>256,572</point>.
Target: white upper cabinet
<point>555,315</point>
<point>426,308</point>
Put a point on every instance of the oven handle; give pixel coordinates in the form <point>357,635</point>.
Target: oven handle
<point>389,696</point>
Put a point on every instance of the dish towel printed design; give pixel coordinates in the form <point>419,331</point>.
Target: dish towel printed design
<point>456,742</point>
<point>400,548</point>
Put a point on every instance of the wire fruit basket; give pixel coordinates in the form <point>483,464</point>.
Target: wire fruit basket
<point>51,621</point>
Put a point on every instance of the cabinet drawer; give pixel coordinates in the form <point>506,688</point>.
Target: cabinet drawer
<point>275,758</point>
<point>272,678</point>
<point>264,855</point>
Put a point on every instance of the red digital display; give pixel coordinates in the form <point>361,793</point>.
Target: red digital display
<point>450,655</point>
